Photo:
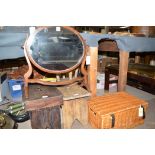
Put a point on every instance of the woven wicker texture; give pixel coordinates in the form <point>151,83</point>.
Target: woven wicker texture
<point>116,110</point>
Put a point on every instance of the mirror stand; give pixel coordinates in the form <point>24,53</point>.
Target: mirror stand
<point>78,75</point>
<point>58,54</point>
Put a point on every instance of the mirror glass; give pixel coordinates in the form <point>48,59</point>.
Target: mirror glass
<point>55,48</point>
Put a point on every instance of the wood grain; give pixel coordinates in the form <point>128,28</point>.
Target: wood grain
<point>74,105</point>
<point>92,71</point>
<point>45,112</point>
<point>123,69</point>
<point>75,109</point>
<point>46,118</point>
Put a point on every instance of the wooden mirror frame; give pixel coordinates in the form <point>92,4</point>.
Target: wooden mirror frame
<point>81,63</point>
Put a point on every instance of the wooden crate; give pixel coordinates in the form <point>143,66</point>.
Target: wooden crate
<point>116,110</point>
<point>44,106</point>
<point>74,105</point>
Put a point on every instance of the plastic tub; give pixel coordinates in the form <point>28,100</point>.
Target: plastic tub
<point>16,89</point>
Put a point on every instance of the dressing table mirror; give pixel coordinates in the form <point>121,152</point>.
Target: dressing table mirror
<point>55,56</point>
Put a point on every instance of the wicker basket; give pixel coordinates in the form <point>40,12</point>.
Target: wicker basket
<point>116,110</point>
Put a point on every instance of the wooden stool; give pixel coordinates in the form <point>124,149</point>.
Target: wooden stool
<point>44,106</point>
<point>74,105</point>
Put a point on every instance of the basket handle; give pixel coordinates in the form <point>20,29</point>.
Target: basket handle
<point>112,120</point>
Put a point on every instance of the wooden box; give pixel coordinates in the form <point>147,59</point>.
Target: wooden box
<point>74,105</point>
<point>116,110</point>
<point>44,106</point>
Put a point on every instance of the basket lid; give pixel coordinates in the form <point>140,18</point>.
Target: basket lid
<point>114,102</point>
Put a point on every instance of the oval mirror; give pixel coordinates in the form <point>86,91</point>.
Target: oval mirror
<point>55,48</point>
